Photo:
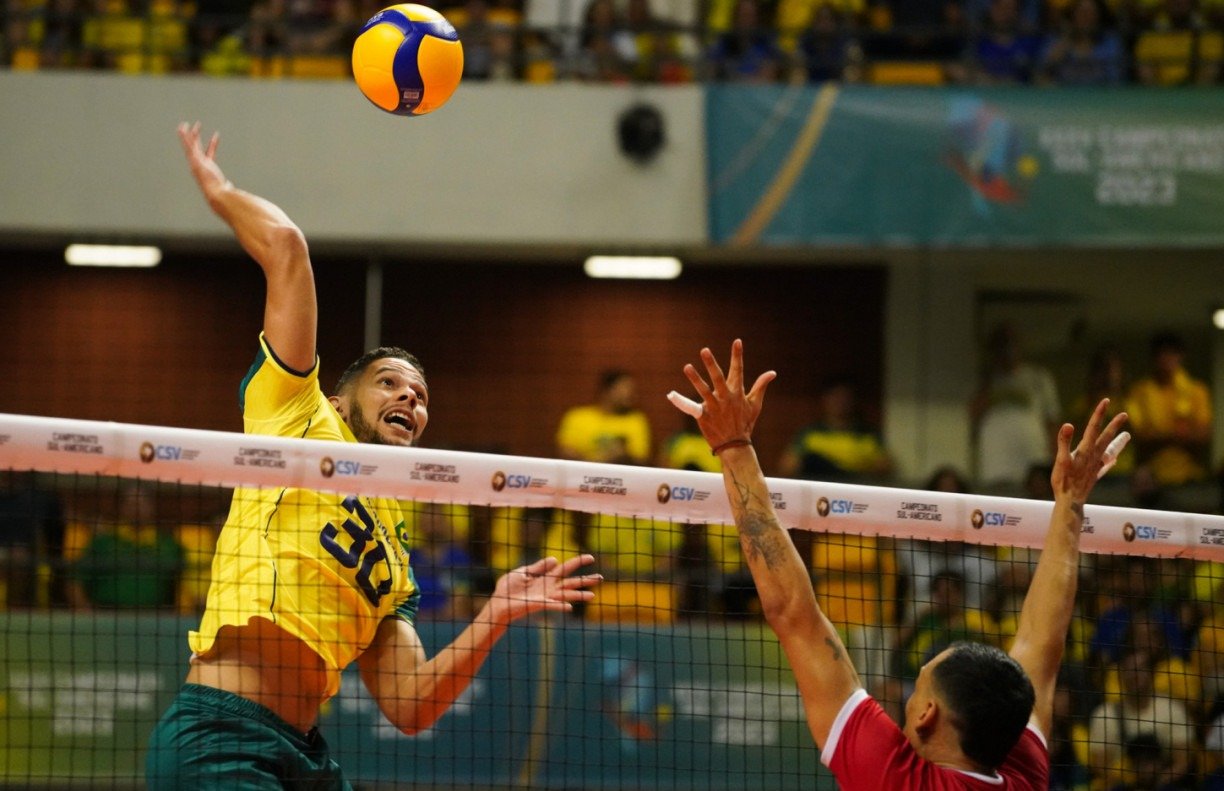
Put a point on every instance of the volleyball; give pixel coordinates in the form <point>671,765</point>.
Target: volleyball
<point>407,59</point>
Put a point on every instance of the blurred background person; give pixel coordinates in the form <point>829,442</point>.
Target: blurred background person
<point>838,446</point>
<point>1013,414</point>
<point>613,430</point>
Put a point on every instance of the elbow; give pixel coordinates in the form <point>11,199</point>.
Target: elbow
<point>410,719</point>
<point>290,244</point>
<point>786,612</point>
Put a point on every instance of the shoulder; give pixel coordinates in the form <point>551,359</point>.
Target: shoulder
<point>1029,761</point>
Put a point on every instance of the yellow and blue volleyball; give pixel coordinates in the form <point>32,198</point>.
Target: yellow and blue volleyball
<point>407,59</point>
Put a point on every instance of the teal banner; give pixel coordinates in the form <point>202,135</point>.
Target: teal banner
<point>858,165</point>
<point>559,704</point>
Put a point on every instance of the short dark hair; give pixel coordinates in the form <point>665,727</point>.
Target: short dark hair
<point>610,376</point>
<point>990,699</point>
<point>1167,341</point>
<point>359,365</point>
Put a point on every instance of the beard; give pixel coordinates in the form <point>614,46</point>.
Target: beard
<point>363,430</point>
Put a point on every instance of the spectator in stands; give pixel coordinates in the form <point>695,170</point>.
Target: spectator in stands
<point>1126,732</point>
<point>1085,50</point>
<point>1004,54</point>
<point>1013,414</point>
<point>599,58</point>
<point>839,446</point>
<point>827,50</point>
<point>1124,589</point>
<point>919,561</point>
<point>60,45</point>
<point>1068,739</point>
<point>132,561</point>
<point>701,581</point>
<point>488,36</point>
<point>748,52</point>
<point>1106,378</point>
<point>611,431</point>
<point>1171,417</point>
<point>941,621</point>
<point>1178,48</point>
<point>31,543</point>
<point>446,573</point>
<point>919,30</point>
<point>644,42</point>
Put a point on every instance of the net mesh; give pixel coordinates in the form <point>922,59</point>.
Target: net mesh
<point>668,679</point>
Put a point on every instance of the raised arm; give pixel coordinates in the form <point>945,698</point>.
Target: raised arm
<point>413,692</point>
<point>276,244</point>
<point>726,415</point>
<point>1046,615</point>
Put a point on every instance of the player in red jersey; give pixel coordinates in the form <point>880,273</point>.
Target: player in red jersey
<point>977,716</point>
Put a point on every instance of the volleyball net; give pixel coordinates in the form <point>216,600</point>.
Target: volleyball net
<point>669,679</point>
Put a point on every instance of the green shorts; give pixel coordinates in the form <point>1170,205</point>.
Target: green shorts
<point>212,739</point>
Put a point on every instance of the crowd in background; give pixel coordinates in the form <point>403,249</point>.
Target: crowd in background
<point>979,42</point>
<point>1141,699</point>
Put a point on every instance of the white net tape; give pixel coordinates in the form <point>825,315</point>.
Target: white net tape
<point>231,459</point>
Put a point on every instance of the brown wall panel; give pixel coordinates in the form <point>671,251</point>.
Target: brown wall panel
<point>507,347</point>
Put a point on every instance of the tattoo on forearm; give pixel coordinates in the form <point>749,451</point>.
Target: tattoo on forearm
<point>835,648</point>
<point>763,536</point>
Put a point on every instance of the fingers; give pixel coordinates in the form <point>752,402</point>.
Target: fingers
<point>735,373</point>
<point>717,380</point>
<point>757,394</point>
<point>1093,429</point>
<point>540,567</point>
<point>213,142</point>
<point>570,566</point>
<point>1112,452</point>
<point>686,405</point>
<point>1065,433</point>
<point>698,383</point>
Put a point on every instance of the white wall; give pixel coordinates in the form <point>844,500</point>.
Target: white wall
<point>514,164</point>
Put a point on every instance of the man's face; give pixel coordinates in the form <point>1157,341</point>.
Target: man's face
<point>387,405</point>
<point>621,395</point>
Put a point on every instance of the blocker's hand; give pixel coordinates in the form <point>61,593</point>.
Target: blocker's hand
<point>546,585</point>
<point>726,413</point>
<point>1077,471</point>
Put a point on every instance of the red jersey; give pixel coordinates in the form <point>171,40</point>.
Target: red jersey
<point>866,751</point>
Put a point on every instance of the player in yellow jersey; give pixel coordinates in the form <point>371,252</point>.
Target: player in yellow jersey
<point>304,582</point>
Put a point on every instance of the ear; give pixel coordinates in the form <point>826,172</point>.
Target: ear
<point>927,716</point>
<point>341,404</point>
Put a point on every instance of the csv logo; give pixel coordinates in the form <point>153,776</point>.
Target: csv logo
<point>348,467</point>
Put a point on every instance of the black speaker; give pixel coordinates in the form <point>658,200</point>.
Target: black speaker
<point>640,130</point>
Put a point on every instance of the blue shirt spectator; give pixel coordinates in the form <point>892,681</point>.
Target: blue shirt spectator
<point>1004,54</point>
<point>1087,51</point>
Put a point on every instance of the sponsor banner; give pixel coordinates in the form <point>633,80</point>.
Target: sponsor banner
<point>1207,535</point>
<point>425,475</point>
<point>344,467</point>
<point>81,446</point>
<point>516,481</point>
<point>1132,531</point>
<point>687,496</point>
<point>155,452</point>
<point>791,501</point>
<point>1004,520</point>
<point>934,516</point>
<point>864,165</point>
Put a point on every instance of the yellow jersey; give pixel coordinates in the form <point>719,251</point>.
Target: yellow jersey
<point>327,568</point>
<point>597,435</point>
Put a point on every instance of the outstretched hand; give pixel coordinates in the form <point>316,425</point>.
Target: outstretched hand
<point>726,414</point>
<point>546,585</point>
<point>1077,471</point>
<point>203,159</point>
